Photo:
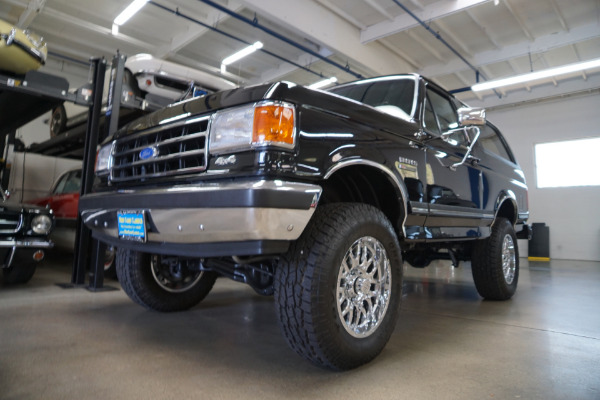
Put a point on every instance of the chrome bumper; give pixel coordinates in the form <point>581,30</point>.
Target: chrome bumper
<point>36,244</point>
<point>208,213</point>
<point>14,245</point>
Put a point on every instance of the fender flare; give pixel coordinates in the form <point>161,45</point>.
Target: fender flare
<point>388,172</point>
<point>504,196</point>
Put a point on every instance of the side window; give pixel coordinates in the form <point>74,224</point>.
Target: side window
<point>430,123</point>
<point>69,183</point>
<point>59,189</point>
<point>73,183</point>
<point>491,142</point>
<point>442,106</point>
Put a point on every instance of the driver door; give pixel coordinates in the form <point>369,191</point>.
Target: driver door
<point>453,190</point>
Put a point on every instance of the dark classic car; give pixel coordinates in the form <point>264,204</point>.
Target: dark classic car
<point>24,233</point>
<point>314,197</point>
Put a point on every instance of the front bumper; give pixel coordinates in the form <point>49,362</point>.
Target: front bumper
<point>9,248</point>
<point>206,220</point>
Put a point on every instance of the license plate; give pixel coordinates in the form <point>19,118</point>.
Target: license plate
<point>131,225</point>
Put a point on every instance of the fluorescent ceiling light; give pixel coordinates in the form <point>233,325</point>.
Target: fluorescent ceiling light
<point>242,53</point>
<point>323,83</point>
<point>115,29</point>
<point>567,69</point>
<point>130,11</point>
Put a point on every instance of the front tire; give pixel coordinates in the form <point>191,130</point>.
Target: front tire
<point>495,262</point>
<point>162,283</point>
<point>21,270</point>
<point>338,289</point>
<point>19,273</point>
<point>110,269</point>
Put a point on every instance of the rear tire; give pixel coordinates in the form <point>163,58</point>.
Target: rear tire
<point>162,283</point>
<point>338,289</point>
<point>495,262</point>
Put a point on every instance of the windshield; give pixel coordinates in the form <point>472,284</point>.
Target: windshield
<point>395,95</point>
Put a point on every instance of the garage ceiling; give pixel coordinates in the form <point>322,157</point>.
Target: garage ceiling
<point>308,40</point>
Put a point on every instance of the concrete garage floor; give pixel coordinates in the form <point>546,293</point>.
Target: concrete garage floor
<point>449,344</point>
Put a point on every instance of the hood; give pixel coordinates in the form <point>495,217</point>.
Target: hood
<point>278,91</point>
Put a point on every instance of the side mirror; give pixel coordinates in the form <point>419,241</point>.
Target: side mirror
<point>471,116</point>
<point>457,137</point>
<point>476,132</point>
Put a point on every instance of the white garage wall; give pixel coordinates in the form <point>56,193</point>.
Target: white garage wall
<point>32,175</point>
<point>573,214</point>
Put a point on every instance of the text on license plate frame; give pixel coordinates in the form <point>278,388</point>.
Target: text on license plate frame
<point>131,225</point>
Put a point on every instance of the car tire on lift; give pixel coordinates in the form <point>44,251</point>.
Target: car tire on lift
<point>58,121</point>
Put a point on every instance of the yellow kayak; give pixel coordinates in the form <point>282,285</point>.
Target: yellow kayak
<point>20,50</point>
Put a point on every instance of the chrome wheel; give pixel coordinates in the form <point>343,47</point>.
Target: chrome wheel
<point>364,287</point>
<point>173,275</point>
<point>509,259</point>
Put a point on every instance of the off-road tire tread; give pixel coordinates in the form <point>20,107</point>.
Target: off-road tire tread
<point>135,277</point>
<point>486,263</point>
<point>297,304</point>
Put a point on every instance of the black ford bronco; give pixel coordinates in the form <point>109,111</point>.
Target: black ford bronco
<point>315,197</point>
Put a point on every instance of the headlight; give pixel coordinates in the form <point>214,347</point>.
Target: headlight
<point>41,224</point>
<point>104,160</point>
<point>257,125</point>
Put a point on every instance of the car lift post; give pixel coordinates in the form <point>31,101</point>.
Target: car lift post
<point>113,109</point>
<point>83,236</point>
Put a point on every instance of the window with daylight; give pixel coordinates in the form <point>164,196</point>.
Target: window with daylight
<point>567,164</point>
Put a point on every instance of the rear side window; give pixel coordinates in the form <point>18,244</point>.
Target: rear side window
<point>492,142</point>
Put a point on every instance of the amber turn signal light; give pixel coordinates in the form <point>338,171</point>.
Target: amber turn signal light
<point>273,124</point>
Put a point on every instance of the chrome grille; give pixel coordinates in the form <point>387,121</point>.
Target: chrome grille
<point>176,149</point>
<point>10,221</point>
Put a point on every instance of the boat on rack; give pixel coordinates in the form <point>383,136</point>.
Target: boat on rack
<point>20,50</point>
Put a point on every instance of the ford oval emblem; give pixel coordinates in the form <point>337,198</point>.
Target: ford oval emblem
<point>148,152</point>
